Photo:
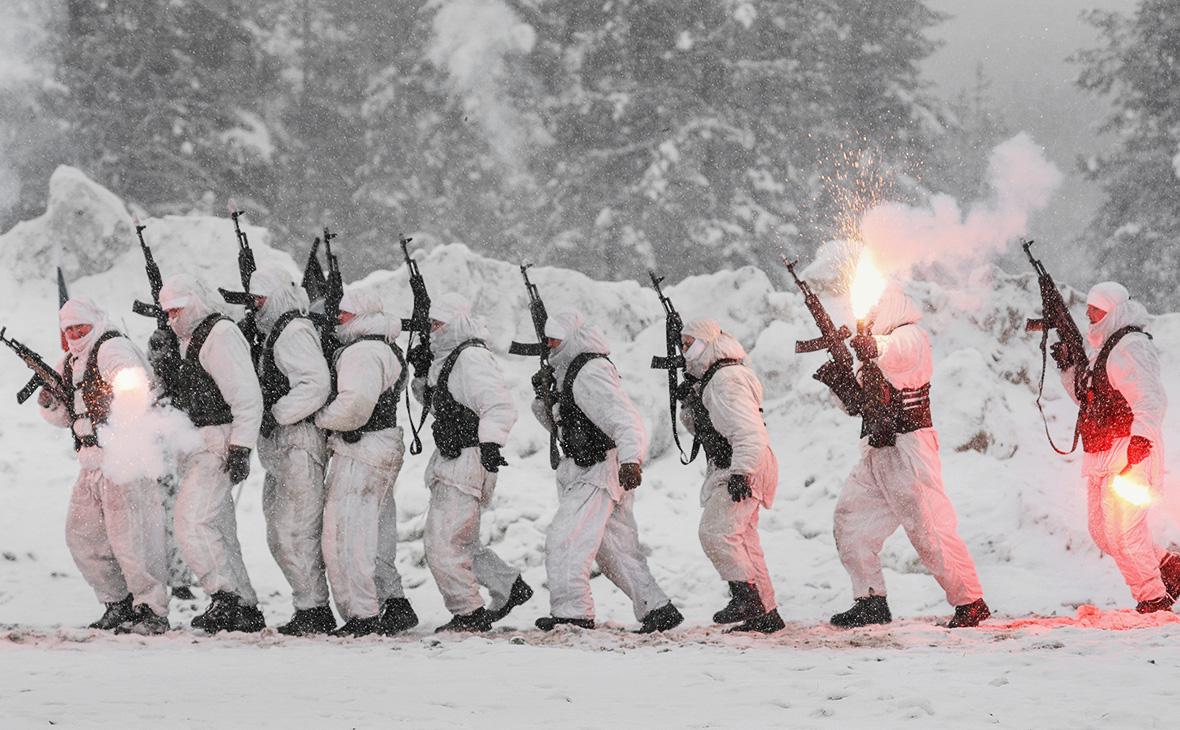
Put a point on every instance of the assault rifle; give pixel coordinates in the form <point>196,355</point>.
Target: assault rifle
<point>246,269</point>
<point>314,281</point>
<point>44,376</point>
<point>418,324</point>
<point>673,361</point>
<point>63,296</point>
<point>333,293</point>
<point>164,341</point>
<point>837,373</point>
<point>547,385</point>
<point>1055,316</point>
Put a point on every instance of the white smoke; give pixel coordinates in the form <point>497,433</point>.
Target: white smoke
<point>141,440</point>
<point>1022,181</point>
<point>472,40</point>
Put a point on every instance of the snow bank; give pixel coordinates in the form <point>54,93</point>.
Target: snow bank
<point>1021,508</point>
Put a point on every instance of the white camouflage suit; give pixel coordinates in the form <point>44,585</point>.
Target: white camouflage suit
<point>461,487</point>
<point>360,515</point>
<point>294,455</point>
<point>595,517</point>
<point>729,530</point>
<point>115,532</point>
<point>1118,527</point>
<point>204,518</point>
<point>902,485</point>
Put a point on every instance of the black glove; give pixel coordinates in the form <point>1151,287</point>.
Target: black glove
<point>490,457</point>
<point>686,390</point>
<point>1061,355</point>
<point>739,487</point>
<point>237,463</point>
<point>630,476</point>
<point>269,424</point>
<point>1138,450</point>
<point>543,382</point>
<point>843,383</point>
<point>420,358</point>
<point>865,347</point>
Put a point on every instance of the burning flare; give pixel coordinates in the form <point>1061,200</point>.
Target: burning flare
<point>1131,492</point>
<point>130,380</point>
<point>868,283</point>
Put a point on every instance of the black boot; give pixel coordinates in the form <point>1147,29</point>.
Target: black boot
<point>357,627</point>
<point>660,619</point>
<point>477,621</point>
<point>865,610</point>
<point>521,593</point>
<point>744,604</point>
<point>221,615</point>
<point>145,622</point>
<point>117,613</point>
<point>250,620</point>
<point>1170,573</point>
<point>767,623</point>
<point>318,620</point>
<point>1164,603</point>
<point>969,615</point>
<point>547,623</point>
<point>397,615</point>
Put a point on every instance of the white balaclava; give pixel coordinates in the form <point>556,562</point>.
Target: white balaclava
<point>710,344</point>
<point>190,295</point>
<point>283,294</point>
<point>82,311</point>
<point>459,324</point>
<point>1121,311</point>
<point>577,336</point>
<point>369,317</point>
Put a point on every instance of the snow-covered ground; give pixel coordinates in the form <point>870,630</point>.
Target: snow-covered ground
<point>1062,652</point>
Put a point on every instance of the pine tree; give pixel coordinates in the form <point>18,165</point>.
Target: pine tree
<point>1137,228</point>
<point>160,101</point>
<point>707,133</point>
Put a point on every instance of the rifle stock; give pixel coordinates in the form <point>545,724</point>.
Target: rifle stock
<point>44,376</point>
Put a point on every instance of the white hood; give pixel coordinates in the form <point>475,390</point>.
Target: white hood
<point>1121,311</point>
<point>712,344</point>
<point>282,294</point>
<point>83,311</point>
<point>191,296</point>
<point>893,310</point>
<point>579,337</point>
<point>460,324</point>
<point>370,318</point>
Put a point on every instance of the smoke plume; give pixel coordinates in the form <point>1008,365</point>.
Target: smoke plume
<point>141,440</point>
<point>1022,181</point>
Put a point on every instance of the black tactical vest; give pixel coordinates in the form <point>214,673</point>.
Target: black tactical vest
<point>197,393</point>
<point>455,426</point>
<point>97,393</point>
<point>385,411</point>
<point>908,410</point>
<point>580,439</point>
<point>717,448</point>
<point>1105,414</point>
<point>275,385</point>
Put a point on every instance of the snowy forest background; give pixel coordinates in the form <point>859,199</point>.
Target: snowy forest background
<point>608,137</point>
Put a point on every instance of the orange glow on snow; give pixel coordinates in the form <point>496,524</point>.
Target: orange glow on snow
<point>868,283</point>
<point>1131,492</point>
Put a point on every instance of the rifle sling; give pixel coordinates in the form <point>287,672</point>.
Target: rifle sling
<point>1041,392</point>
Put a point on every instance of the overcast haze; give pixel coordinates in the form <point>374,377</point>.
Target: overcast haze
<point>1023,46</point>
